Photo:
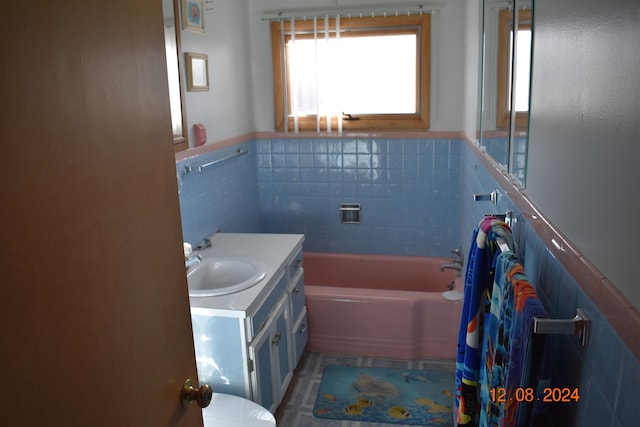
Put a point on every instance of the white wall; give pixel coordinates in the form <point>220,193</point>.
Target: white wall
<point>447,80</point>
<point>471,69</point>
<point>584,149</point>
<point>227,108</point>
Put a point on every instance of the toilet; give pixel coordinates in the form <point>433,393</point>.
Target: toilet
<point>226,410</point>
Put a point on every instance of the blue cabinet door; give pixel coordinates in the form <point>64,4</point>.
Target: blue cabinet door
<point>269,351</point>
<point>261,354</point>
<point>281,344</point>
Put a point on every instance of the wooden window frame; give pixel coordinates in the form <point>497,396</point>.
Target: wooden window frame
<point>398,25</point>
<point>505,27</point>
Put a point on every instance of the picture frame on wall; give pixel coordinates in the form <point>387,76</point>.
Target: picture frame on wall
<point>197,72</point>
<point>193,15</point>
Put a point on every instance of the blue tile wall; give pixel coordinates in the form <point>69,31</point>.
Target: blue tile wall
<point>221,197</point>
<point>408,191</point>
<point>606,372</point>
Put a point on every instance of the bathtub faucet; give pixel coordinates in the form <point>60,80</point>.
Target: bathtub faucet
<point>455,265</point>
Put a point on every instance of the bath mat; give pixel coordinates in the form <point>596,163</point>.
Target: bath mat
<point>384,395</point>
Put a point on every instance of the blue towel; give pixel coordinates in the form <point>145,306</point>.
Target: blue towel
<point>512,355</point>
<point>478,279</point>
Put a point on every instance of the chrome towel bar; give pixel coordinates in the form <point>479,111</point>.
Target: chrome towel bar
<point>579,326</point>
<point>189,168</point>
<point>491,197</point>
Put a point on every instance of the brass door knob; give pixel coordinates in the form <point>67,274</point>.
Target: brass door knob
<point>200,395</point>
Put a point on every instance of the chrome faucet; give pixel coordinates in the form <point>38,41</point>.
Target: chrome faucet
<point>196,258</point>
<point>456,264</point>
<point>191,260</point>
<point>205,243</point>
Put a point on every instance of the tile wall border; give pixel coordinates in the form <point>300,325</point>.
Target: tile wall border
<point>247,137</point>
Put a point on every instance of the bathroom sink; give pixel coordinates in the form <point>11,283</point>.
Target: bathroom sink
<point>221,276</point>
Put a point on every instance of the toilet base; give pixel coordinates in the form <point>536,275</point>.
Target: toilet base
<point>226,410</point>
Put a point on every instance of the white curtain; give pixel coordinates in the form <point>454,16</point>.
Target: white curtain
<point>314,69</point>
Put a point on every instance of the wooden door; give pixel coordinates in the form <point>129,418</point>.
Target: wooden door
<point>94,310</point>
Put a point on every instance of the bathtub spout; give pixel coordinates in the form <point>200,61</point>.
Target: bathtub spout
<point>452,265</point>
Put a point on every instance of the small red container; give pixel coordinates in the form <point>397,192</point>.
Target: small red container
<point>201,134</point>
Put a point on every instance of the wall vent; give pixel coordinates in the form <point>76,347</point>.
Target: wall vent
<point>350,213</point>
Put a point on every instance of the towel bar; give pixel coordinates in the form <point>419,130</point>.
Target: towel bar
<point>578,326</point>
<point>491,197</point>
<point>506,217</point>
<point>503,245</point>
<point>189,168</point>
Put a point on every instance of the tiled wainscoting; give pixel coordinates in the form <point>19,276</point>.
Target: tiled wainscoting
<point>222,197</point>
<point>408,192</point>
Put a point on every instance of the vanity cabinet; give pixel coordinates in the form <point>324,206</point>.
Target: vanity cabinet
<point>249,343</point>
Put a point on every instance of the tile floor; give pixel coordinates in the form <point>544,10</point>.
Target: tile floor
<point>297,407</point>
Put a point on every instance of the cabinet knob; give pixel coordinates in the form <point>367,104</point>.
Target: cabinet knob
<point>296,291</point>
<point>276,338</point>
<point>200,395</point>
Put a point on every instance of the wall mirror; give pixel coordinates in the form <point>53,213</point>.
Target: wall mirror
<point>173,47</point>
<point>505,76</point>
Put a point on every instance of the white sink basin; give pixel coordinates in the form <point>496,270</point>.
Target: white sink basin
<point>221,276</point>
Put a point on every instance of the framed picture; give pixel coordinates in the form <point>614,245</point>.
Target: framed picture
<point>197,72</point>
<point>193,15</point>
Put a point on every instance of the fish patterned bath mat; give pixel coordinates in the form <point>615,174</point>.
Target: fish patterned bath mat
<point>384,395</point>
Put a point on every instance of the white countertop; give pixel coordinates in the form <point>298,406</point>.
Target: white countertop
<point>269,250</point>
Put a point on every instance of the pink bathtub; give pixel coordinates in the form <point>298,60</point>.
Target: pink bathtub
<point>379,305</point>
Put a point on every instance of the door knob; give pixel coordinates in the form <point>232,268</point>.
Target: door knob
<point>201,395</point>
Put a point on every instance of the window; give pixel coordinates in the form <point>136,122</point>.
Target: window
<point>523,68</point>
<point>371,74</point>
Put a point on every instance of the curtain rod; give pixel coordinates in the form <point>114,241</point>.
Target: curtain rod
<point>354,12</point>
<point>508,4</point>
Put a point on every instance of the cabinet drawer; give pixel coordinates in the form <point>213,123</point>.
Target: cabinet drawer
<point>259,319</point>
<point>297,295</point>
<point>295,264</point>
<point>300,336</point>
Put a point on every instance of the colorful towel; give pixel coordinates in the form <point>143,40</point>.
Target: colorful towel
<point>478,280</point>
<point>512,354</point>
